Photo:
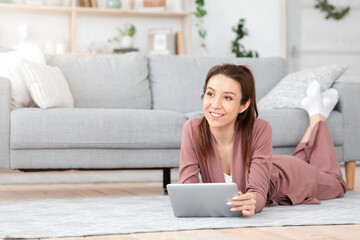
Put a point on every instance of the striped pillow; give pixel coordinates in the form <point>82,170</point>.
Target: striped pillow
<point>292,88</point>
<point>47,85</point>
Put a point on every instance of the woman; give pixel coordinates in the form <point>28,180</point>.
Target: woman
<point>230,144</point>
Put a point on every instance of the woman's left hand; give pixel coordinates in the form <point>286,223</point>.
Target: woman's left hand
<point>243,202</point>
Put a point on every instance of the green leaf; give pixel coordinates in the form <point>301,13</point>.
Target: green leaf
<point>197,14</point>
<point>201,12</point>
<point>202,33</point>
<point>200,2</point>
<point>330,10</point>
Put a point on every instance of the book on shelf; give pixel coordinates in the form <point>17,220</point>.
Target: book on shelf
<point>154,3</point>
<point>132,4</point>
<point>94,4</point>
<point>85,3</point>
<point>179,43</point>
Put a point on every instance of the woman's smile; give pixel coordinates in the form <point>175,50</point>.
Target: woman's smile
<point>216,115</point>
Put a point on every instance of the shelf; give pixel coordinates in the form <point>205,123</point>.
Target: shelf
<point>136,13</point>
<point>78,54</point>
<point>35,8</point>
<point>94,11</point>
<point>74,12</point>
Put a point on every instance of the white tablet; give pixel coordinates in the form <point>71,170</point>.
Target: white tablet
<point>202,199</point>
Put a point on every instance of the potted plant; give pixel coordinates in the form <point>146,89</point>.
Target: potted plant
<point>238,48</point>
<point>125,37</point>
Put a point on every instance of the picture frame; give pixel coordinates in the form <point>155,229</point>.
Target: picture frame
<point>160,41</point>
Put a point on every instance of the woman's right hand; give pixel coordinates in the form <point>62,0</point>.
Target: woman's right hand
<point>244,202</point>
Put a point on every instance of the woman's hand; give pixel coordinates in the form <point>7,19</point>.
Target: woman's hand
<point>244,203</point>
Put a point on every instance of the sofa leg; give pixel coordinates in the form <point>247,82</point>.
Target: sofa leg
<point>166,178</point>
<point>350,174</point>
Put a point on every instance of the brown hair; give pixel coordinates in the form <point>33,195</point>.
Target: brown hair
<point>245,120</point>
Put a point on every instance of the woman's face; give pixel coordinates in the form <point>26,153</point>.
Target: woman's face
<point>221,102</point>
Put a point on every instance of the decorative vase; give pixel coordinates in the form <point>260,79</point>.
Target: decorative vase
<point>127,41</point>
<point>113,4</point>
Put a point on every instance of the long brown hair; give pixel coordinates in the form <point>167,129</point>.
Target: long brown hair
<point>245,120</point>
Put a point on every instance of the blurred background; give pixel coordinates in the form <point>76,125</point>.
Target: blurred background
<point>293,29</point>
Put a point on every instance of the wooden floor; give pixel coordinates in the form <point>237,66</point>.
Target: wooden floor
<point>47,191</point>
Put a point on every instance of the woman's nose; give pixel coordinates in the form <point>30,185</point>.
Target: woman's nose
<point>216,103</point>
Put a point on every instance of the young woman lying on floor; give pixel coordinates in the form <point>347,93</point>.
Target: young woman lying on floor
<point>230,144</point>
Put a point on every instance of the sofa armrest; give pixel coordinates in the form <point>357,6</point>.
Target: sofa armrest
<point>349,106</point>
<point>5,100</point>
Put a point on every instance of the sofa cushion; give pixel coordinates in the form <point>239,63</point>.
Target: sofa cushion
<point>107,81</point>
<point>289,126</point>
<point>177,81</point>
<point>33,128</point>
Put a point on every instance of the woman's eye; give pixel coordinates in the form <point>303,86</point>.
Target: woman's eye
<point>209,94</point>
<point>228,98</point>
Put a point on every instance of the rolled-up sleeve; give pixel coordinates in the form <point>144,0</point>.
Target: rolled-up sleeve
<point>260,169</point>
<point>189,162</point>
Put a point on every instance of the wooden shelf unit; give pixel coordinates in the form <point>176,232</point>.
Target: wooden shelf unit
<point>74,11</point>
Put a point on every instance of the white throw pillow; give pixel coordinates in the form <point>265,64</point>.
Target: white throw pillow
<point>292,88</point>
<point>47,85</point>
<point>11,67</point>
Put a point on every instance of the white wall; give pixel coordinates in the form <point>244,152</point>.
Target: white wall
<point>324,42</point>
<point>262,22</point>
<point>43,26</point>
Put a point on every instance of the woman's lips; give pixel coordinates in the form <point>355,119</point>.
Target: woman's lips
<point>216,115</point>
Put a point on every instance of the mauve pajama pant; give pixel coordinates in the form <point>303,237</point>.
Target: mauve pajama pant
<point>320,153</point>
<point>311,173</point>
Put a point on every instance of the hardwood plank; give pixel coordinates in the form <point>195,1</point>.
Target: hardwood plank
<point>197,234</point>
<point>312,232</point>
<point>253,234</point>
<point>144,189</point>
<point>338,232</point>
<point>8,195</point>
<point>87,192</point>
<point>228,234</point>
<point>112,190</point>
<point>111,237</point>
<point>335,232</point>
<point>27,192</point>
<point>50,191</point>
<point>66,238</point>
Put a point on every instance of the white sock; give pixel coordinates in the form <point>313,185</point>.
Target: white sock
<point>312,103</point>
<point>316,102</point>
<point>329,99</point>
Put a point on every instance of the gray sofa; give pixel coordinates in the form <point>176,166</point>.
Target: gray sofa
<point>129,111</point>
